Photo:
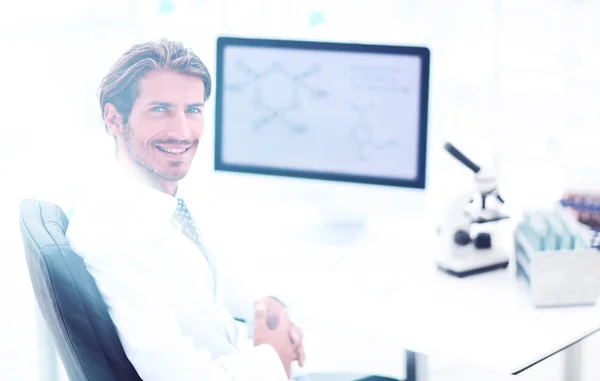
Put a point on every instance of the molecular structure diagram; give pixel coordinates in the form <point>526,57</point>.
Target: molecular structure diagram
<point>273,113</point>
<point>362,134</point>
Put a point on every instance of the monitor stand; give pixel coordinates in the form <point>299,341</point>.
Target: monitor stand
<point>338,228</point>
<point>328,236</point>
<point>330,220</point>
<point>342,214</point>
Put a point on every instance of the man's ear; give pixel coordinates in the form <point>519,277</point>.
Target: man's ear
<point>113,120</point>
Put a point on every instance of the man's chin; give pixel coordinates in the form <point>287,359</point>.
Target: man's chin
<point>170,176</point>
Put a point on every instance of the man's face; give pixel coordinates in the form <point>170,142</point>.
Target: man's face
<point>165,125</point>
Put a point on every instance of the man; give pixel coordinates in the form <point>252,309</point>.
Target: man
<point>141,243</point>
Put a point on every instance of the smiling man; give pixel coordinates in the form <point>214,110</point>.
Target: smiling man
<point>140,241</point>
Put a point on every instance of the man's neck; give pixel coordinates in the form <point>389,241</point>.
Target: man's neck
<point>145,176</point>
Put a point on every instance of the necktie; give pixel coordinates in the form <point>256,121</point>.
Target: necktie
<point>188,228</point>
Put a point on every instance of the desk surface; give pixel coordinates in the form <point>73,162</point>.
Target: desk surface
<point>386,286</point>
<point>485,321</point>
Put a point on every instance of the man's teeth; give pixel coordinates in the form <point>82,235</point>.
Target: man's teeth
<point>172,150</point>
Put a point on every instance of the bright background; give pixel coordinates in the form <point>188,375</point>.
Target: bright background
<point>514,81</point>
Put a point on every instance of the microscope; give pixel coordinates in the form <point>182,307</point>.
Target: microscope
<point>469,222</point>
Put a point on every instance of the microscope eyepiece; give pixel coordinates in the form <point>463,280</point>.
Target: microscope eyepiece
<point>461,157</point>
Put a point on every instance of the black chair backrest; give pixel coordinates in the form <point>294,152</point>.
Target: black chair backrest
<point>70,302</point>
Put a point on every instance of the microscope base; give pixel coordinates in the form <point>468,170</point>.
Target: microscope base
<point>475,271</point>
<point>478,262</point>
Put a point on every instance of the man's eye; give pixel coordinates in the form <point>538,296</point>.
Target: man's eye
<point>158,109</point>
<point>193,110</point>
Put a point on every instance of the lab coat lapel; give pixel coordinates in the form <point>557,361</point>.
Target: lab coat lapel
<point>178,242</point>
<point>182,243</point>
<point>196,213</point>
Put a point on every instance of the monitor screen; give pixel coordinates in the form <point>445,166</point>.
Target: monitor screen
<point>322,110</point>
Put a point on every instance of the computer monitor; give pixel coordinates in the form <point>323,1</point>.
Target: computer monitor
<point>324,112</point>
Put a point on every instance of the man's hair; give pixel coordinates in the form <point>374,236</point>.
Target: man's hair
<point>121,85</point>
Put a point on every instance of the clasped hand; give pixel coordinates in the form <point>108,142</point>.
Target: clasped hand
<point>273,326</point>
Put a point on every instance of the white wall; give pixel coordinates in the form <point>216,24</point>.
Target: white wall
<point>518,77</point>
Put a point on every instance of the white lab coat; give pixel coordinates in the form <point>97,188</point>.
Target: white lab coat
<point>159,288</point>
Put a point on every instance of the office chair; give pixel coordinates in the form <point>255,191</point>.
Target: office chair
<point>70,302</point>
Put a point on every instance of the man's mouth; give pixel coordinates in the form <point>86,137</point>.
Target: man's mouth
<point>175,151</point>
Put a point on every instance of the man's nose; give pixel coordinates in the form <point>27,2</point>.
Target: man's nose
<point>179,127</point>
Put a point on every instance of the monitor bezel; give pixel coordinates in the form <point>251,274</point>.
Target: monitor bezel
<point>423,53</point>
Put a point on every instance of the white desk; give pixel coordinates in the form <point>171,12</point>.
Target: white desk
<point>386,287</point>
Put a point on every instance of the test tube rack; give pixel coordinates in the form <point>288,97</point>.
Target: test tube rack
<point>561,273</point>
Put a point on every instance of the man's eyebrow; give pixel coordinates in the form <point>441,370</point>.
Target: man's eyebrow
<point>167,104</point>
<point>157,103</point>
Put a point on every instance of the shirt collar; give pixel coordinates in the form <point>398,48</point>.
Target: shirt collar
<point>142,196</point>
